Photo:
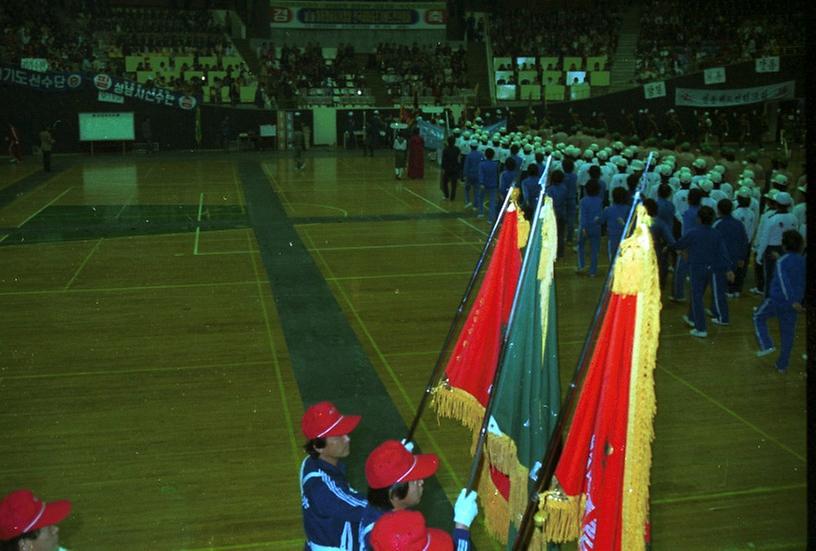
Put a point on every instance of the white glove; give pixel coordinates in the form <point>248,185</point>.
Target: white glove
<point>407,444</point>
<point>465,509</point>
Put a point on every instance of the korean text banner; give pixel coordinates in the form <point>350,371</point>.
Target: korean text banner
<point>70,82</point>
<point>36,80</point>
<point>350,15</point>
<point>691,97</point>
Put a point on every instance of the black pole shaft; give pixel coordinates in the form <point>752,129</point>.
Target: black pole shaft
<point>423,402</point>
<point>477,456</point>
<point>547,469</point>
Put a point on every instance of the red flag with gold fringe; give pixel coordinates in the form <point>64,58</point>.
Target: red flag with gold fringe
<point>602,493</point>
<point>463,392</point>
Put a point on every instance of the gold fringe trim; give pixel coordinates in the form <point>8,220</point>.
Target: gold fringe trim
<point>559,516</point>
<point>631,268</point>
<point>642,401</point>
<point>496,511</point>
<point>503,454</point>
<point>454,403</point>
<point>522,225</point>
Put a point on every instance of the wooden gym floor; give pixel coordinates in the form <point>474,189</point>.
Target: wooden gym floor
<point>165,318</point>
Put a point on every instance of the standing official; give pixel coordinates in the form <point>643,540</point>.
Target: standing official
<point>46,146</point>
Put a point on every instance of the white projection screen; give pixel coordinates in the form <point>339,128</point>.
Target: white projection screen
<point>106,127</point>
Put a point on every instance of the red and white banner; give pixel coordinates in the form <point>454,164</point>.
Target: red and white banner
<point>360,15</point>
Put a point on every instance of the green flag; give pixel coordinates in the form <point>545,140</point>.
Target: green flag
<point>528,393</point>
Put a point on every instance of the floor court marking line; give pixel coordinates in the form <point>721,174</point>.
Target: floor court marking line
<point>238,196</point>
<point>84,262</point>
<point>134,371</point>
<point>4,237</point>
<point>390,276</point>
<point>394,246</point>
<point>294,448</point>
<point>198,220</point>
<point>390,194</point>
<point>462,220</point>
<point>735,415</point>
<point>125,289</point>
<point>733,493</point>
<point>48,204</point>
<point>321,205</point>
<point>394,378</point>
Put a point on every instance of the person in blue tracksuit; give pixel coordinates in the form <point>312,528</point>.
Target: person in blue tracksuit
<point>395,479</point>
<point>708,262</point>
<point>595,173</point>
<point>514,154</point>
<point>558,193</point>
<point>488,185</point>
<point>331,508</point>
<point>506,179</point>
<point>530,189</point>
<point>662,238</point>
<point>471,171</point>
<point>589,225</point>
<point>689,222</point>
<point>784,300</point>
<point>733,232</point>
<point>571,203</point>
<point>614,218</point>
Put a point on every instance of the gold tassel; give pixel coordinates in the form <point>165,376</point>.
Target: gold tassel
<point>560,515</point>
<point>454,403</point>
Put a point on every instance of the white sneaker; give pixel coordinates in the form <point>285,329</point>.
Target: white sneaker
<point>698,334</point>
<point>716,321</point>
<point>767,351</point>
<point>755,291</point>
<point>688,321</point>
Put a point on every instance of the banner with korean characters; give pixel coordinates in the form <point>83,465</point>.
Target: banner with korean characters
<point>137,91</point>
<point>71,82</point>
<point>715,75</point>
<point>357,15</point>
<point>690,97</point>
<point>767,64</point>
<point>37,80</point>
<point>652,90</point>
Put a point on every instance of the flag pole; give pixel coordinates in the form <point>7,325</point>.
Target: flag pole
<point>477,456</point>
<point>454,323</point>
<point>547,469</point>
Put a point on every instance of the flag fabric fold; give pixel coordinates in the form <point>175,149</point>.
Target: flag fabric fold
<point>463,393</point>
<point>527,395</point>
<point>602,475</point>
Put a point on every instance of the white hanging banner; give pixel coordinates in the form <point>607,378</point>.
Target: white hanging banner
<point>715,75</point>
<point>652,90</point>
<point>691,97</point>
<point>767,64</point>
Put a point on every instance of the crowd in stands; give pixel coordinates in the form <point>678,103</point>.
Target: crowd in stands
<point>675,40</point>
<point>563,31</point>
<point>295,72</point>
<point>41,30</point>
<point>423,71</point>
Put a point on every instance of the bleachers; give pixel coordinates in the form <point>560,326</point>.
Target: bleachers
<point>550,76</point>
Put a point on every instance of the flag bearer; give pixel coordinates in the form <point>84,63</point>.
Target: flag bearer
<point>331,508</point>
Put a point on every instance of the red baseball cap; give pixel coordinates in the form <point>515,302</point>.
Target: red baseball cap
<point>324,419</point>
<point>391,463</point>
<point>405,530</point>
<point>22,512</point>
